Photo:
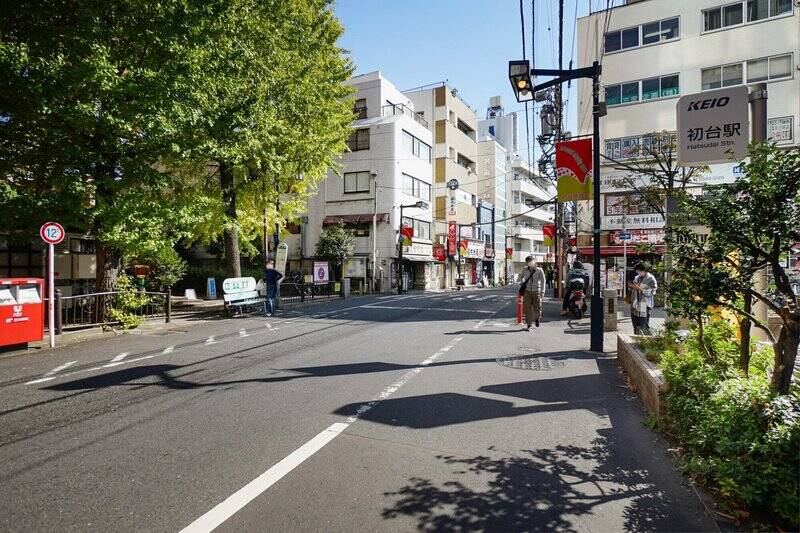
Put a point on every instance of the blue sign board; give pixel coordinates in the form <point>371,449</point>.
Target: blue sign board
<point>211,289</point>
<point>624,236</point>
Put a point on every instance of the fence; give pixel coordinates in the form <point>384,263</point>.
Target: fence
<point>301,292</point>
<point>86,310</point>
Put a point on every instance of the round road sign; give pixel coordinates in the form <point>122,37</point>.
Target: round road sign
<point>52,232</point>
<point>452,184</point>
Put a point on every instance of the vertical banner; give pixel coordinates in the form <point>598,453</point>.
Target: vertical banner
<point>574,170</point>
<point>509,253</point>
<point>451,238</point>
<point>463,247</point>
<point>549,231</point>
<point>408,235</point>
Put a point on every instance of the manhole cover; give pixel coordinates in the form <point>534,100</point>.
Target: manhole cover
<point>529,362</point>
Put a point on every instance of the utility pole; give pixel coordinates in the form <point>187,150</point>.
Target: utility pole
<point>758,111</point>
<point>596,342</point>
<point>559,214</point>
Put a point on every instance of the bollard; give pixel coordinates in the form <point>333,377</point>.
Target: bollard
<point>168,305</point>
<point>609,310</point>
<point>57,317</point>
<point>519,309</point>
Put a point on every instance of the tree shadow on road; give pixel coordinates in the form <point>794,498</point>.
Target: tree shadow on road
<point>559,489</point>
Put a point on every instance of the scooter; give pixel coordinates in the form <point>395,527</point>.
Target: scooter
<point>577,299</point>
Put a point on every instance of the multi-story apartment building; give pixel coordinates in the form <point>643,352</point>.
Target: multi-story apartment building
<point>492,202</point>
<point>654,51</point>
<point>455,153</point>
<point>388,165</point>
<point>523,185</point>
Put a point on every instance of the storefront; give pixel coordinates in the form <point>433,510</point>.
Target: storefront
<point>473,252</point>
<point>422,269</point>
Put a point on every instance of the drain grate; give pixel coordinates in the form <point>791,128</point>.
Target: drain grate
<point>529,362</point>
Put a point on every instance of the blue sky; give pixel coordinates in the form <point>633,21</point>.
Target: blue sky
<point>467,42</point>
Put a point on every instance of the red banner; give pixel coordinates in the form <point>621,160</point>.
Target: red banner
<point>574,170</point>
<point>408,234</point>
<point>451,238</point>
<point>439,252</point>
<point>509,253</point>
<point>549,231</point>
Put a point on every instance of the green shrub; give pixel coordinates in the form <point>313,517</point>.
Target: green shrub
<point>738,436</point>
<point>126,302</point>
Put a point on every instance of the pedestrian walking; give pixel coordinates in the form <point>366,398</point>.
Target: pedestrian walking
<point>549,277</point>
<point>531,290</point>
<point>642,292</point>
<point>271,279</point>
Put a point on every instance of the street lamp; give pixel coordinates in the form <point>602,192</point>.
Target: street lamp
<point>523,93</point>
<point>418,205</point>
<point>519,72</point>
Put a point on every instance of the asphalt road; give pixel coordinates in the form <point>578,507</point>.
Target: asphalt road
<point>392,413</point>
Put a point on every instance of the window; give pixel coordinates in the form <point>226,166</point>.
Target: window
<point>733,14</point>
<point>757,70</point>
<point>422,229</point>
<point>416,147</point>
<point>651,33</point>
<point>630,38</point>
<point>637,145</point>
<point>630,92</point>
<point>358,140</point>
<point>711,78</point>
<point>356,182</point>
<point>613,42</point>
<point>712,19</point>
<point>651,88</point>
<point>732,75</point>
<point>416,187</point>
<point>613,95</point>
<point>360,108</point>
<point>670,86</point>
<point>757,10</point>
<point>465,162</point>
<point>780,66</point>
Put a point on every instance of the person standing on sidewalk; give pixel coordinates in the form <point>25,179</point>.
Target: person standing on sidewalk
<point>642,291</point>
<point>271,279</point>
<point>531,290</point>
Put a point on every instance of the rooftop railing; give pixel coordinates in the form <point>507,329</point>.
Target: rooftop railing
<point>402,109</point>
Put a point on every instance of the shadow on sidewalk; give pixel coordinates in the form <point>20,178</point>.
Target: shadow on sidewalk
<point>541,490</point>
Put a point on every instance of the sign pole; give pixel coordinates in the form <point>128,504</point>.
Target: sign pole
<point>51,295</point>
<point>596,330</point>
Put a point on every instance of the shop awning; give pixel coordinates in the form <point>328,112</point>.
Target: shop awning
<point>354,219</point>
<point>419,258</point>
<point>588,251</point>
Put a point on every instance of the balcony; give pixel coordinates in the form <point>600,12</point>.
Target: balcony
<point>530,189</point>
<point>402,109</point>
<point>531,234</point>
<point>540,215</point>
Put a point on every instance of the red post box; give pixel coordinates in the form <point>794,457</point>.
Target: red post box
<point>21,310</point>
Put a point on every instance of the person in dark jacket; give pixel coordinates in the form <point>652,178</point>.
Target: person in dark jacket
<point>271,280</point>
<point>577,272</point>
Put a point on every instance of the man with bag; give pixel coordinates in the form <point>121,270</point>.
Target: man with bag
<point>531,290</point>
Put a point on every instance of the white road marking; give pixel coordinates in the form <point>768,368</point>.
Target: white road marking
<point>450,309</point>
<point>480,324</point>
<point>501,325</point>
<point>236,501</point>
<point>243,333</point>
<point>120,357</point>
<point>210,340</point>
<point>50,373</point>
<point>168,350</point>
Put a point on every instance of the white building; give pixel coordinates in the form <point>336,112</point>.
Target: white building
<point>388,166</point>
<point>492,201</point>
<point>654,51</point>
<point>523,185</point>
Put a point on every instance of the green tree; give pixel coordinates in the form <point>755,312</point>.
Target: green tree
<point>266,110</point>
<point>752,222</point>
<point>86,130</point>
<point>335,245</point>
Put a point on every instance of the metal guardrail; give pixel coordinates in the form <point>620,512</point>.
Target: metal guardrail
<point>402,109</point>
<point>84,310</point>
<point>301,292</point>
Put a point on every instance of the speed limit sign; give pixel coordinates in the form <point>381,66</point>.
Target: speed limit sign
<point>52,232</point>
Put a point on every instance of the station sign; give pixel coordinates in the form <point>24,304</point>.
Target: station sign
<point>713,126</point>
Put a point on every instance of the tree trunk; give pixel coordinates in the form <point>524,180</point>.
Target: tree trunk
<point>786,353</point>
<point>109,264</point>
<point>232,263</point>
<point>744,336</point>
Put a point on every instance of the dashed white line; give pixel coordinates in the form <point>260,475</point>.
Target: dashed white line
<point>210,340</point>
<point>120,357</point>
<point>231,505</point>
<point>448,309</point>
<point>168,350</point>
<point>243,333</point>
<point>50,373</point>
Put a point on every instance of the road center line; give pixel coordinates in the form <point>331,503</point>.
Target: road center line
<point>448,309</point>
<point>236,501</point>
<point>120,357</point>
<point>50,374</point>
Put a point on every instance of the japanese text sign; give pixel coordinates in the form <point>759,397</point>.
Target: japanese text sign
<point>713,126</point>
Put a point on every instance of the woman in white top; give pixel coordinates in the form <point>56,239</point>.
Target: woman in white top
<point>643,290</point>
